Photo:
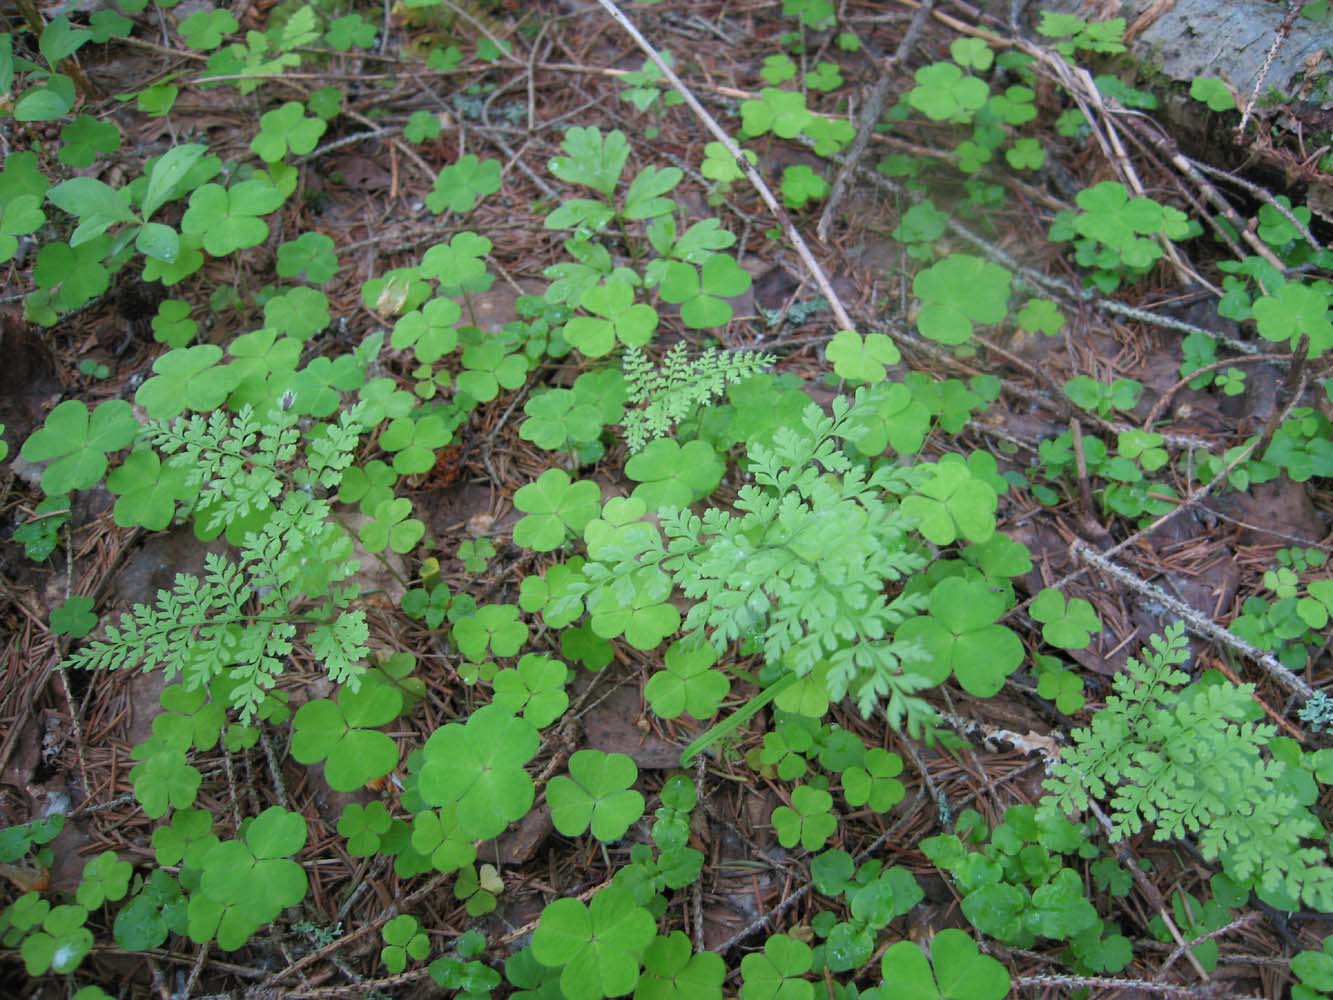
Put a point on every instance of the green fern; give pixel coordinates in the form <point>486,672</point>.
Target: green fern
<point>1190,761</point>
<point>803,569</point>
<point>673,391</point>
<point>241,619</point>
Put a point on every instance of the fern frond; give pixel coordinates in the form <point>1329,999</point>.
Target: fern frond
<point>675,390</point>
<point>1190,761</point>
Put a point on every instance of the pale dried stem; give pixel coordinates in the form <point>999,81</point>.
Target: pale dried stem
<point>760,185</point>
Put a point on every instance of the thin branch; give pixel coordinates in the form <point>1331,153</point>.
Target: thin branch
<point>870,115</point>
<point>1197,622</point>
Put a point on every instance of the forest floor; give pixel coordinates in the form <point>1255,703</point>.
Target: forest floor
<point>66,737</point>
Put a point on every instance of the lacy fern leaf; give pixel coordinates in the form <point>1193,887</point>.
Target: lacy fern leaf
<point>1190,761</point>
<point>241,619</point>
<point>672,392</point>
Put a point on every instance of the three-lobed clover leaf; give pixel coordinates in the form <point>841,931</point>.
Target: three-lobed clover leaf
<point>598,793</point>
<point>247,882</point>
<point>105,878</point>
<point>203,30</point>
<point>490,367</point>
<point>720,166</point>
<point>1064,687</point>
<point>953,504</point>
<point>555,507</point>
<point>19,216</point>
<point>672,475</point>
<point>364,826</point>
<point>782,112</point>
<point>1295,309</point>
<point>960,971</point>
<point>478,766</point>
<point>701,292</point>
<point>778,69</point>
<point>300,313</point>
<point>639,607</point>
<point>461,185</point>
<point>959,291</point>
<point>861,359</point>
<point>186,840</point>
<point>596,947</point>
<point>228,219</point>
<point>687,684</point>
<point>475,553</point>
<point>74,618</point>
<point>972,53</point>
<point>671,971</point>
<point>83,139</point>
<point>535,688</point>
<point>61,943</point>
<point>775,973</point>
<point>1091,394</point>
<point>76,444</point>
<point>1213,92</point>
<point>874,781</point>
<point>616,316</point>
<point>286,128</point>
<point>156,911</point>
<point>1065,625</point>
<point>944,93</point>
<point>1041,315</point>
<point>343,734</point>
<point>311,256</point>
<point>413,443</point>
<point>560,419</point>
<point>961,635</point>
<point>438,837</point>
<point>403,939</point>
<point>479,887</point>
<point>163,780</point>
<point>172,325</point>
<point>592,160</point>
<point>188,378</point>
<point>391,528</point>
<point>422,126</point>
<point>801,185</point>
<point>146,490</point>
<point>493,626</point>
<point>352,31</point>
<point>429,331</point>
<point>807,821</point>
